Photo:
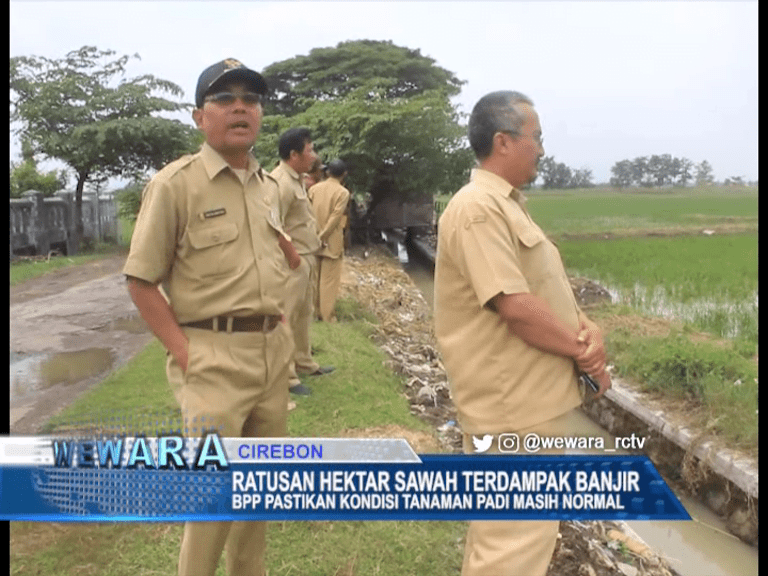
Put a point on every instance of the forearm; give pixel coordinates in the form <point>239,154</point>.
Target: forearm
<point>531,319</point>
<point>156,312</point>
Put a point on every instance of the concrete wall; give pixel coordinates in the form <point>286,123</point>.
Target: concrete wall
<point>38,224</point>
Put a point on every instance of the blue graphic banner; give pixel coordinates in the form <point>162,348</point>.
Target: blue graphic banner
<point>175,480</point>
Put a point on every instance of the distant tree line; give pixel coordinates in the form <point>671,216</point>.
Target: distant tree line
<point>559,176</point>
<point>660,170</point>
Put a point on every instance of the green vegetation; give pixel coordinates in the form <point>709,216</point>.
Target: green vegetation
<point>624,213</point>
<point>23,270</point>
<point>708,281</point>
<point>638,211</point>
<point>360,394</point>
<point>714,380</point>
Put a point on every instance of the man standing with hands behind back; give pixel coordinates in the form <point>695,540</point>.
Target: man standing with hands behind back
<point>297,155</point>
<point>329,199</point>
<point>208,227</point>
<point>511,334</point>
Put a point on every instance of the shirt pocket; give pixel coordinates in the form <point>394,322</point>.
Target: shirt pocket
<point>535,256</point>
<point>214,249</point>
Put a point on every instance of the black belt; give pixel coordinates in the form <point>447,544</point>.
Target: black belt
<point>259,323</point>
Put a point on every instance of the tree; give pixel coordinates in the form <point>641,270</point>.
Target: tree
<point>332,73</point>
<point>623,174</point>
<point>25,176</point>
<point>640,172</point>
<point>581,178</point>
<point>73,110</point>
<point>704,173</point>
<point>384,109</point>
<point>685,171</point>
<point>554,175</point>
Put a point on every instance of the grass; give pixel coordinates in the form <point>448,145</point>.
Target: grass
<point>716,382</point>
<point>708,281</point>
<point>597,211</point>
<point>362,393</point>
<point>24,270</point>
<point>594,211</point>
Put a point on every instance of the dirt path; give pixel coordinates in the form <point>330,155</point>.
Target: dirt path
<point>69,330</point>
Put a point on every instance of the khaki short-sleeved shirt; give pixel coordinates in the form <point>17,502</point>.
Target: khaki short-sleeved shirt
<point>329,200</point>
<point>212,237</point>
<point>296,212</point>
<point>488,244</point>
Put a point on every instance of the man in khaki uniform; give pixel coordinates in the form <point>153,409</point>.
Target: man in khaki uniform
<point>509,329</point>
<point>329,199</point>
<point>297,156</point>
<point>208,228</point>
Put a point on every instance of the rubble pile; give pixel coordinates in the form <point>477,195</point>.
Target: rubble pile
<point>405,332</point>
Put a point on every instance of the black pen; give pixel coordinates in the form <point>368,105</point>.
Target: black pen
<point>589,381</point>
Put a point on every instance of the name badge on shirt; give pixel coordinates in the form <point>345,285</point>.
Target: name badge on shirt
<point>214,213</point>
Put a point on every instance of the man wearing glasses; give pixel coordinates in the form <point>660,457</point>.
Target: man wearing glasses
<point>512,337</point>
<point>209,229</point>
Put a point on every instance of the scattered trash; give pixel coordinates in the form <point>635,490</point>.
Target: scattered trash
<point>405,334</point>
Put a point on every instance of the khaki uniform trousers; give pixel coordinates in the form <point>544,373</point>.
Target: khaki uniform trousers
<point>299,306</point>
<point>328,284</point>
<point>513,548</point>
<point>236,383</point>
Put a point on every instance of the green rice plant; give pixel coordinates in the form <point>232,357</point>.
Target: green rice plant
<point>708,281</point>
<point>609,211</point>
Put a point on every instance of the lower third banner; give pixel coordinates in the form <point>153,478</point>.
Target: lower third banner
<point>319,480</point>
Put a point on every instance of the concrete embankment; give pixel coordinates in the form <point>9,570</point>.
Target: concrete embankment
<point>724,481</point>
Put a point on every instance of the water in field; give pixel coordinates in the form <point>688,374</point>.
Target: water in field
<point>709,282</point>
<point>720,316</point>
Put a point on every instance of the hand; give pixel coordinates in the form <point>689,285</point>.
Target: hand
<point>592,358</point>
<point>291,255</point>
<point>604,381</point>
<point>181,355</point>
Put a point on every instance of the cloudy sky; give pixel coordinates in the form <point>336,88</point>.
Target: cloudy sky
<point>611,80</point>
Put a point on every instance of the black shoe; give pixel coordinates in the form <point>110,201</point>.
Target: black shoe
<point>322,370</point>
<point>300,390</point>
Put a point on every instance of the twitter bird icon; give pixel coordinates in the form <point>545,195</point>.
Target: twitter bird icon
<point>482,444</point>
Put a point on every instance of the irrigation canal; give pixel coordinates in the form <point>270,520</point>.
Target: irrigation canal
<point>702,547</point>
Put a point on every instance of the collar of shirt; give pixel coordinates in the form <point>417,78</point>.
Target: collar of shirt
<point>498,185</point>
<point>215,163</point>
<point>291,172</point>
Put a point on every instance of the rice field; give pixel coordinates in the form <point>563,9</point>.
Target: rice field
<point>688,255</point>
<point>707,281</point>
<point>665,211</point>
<point>685,254</point>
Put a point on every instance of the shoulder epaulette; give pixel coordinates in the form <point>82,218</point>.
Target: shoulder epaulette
<point>170,170</point>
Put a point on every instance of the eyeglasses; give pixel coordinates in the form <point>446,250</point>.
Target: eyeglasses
<point>538,138</point>
<point>227,98</point>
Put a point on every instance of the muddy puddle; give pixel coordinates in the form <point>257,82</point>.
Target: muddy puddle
<point>32,373</point>
<point>701,547</point>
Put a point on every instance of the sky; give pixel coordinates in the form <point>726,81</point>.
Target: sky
<point>610,80</point>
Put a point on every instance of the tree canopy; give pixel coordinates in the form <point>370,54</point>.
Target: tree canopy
<point>384,109</point>
<point>332,73</point>
<point>80,111</point>
<point>25,176</point>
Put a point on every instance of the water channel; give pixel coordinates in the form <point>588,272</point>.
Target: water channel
<point>701,547</point>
